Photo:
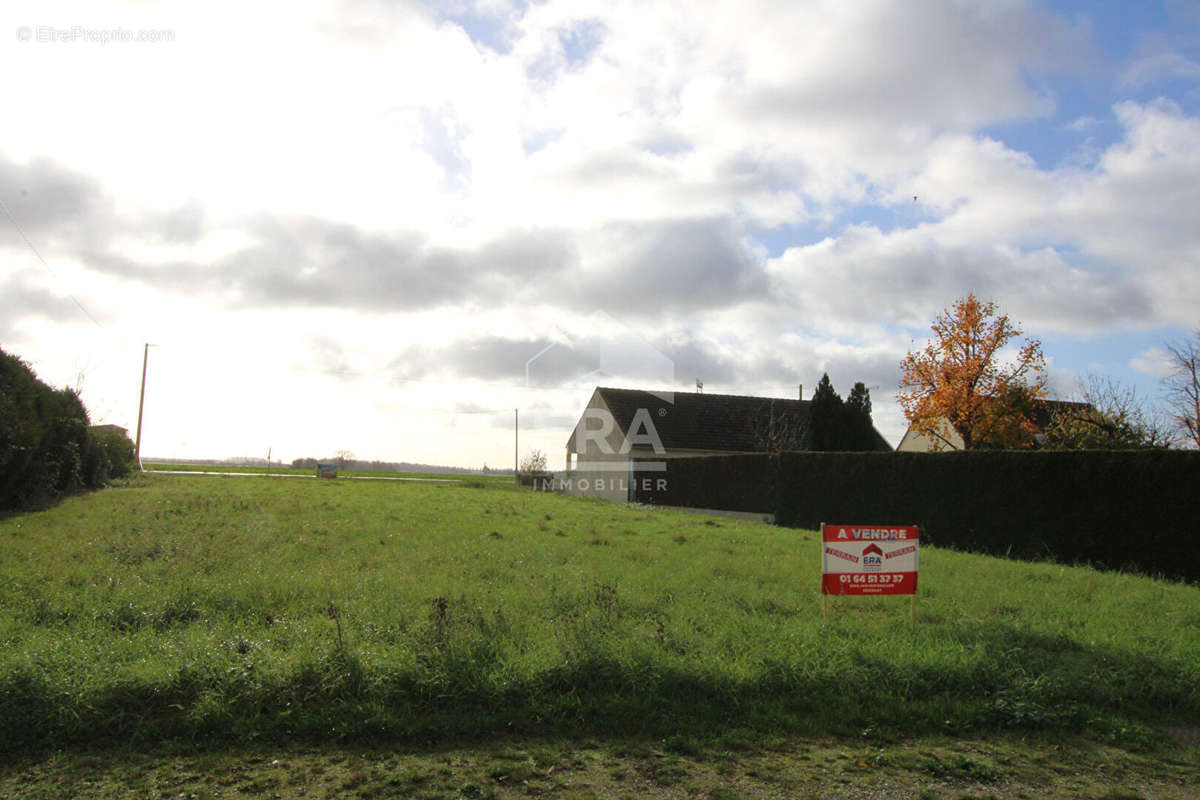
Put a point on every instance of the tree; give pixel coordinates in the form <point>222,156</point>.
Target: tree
<point>534,463</point>
<point>1183,387</point>
<point>840,425</point>
<point>1111,417</point>
<point>961,378</point>
<point>780,429</point>
<point>826,414</point>
<point>858,427</point>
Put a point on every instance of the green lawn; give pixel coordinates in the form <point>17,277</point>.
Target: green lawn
<point>248,610</point>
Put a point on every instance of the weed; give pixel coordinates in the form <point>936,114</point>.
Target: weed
<point>961,768</point>
<point>335,614</point>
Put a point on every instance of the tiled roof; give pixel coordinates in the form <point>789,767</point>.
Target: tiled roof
<point>721,422</point>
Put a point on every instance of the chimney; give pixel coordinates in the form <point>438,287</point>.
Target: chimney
<point>802,391</point>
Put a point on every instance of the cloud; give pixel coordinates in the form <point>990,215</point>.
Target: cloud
<point>605,351</point>
<point>185,224</point>
<point>955,66</point>
<point>51,203</point>
<point>315,263</point>
<point>649,268</point>
<point>1157,62</point>
<point>328,358</point>
<point>443,137</point>
<point>906,277</point>
<point>1082,124</point>
<point>1155,361</point>
<point>741,363</point>
<point>489,24</point>
<point>627,269</point>
<point>1074,250</point>
<point>733,185</point>
<point>21,300</point>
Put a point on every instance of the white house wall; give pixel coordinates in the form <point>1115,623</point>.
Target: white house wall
<point>608,478</point>
<point>914,442</point>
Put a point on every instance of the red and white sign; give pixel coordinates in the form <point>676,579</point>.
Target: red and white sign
<point>869,559</point>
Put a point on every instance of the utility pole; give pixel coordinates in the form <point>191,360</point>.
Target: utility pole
<point>137,448</point>
<point>516,449</point>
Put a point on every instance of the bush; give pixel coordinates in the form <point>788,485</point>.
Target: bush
<point>110,455</point>
<point>46,447</point>
<point>534,463</point>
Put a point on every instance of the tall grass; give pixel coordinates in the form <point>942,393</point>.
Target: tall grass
<point>248,608</point>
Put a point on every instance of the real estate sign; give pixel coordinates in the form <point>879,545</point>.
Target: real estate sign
<point>869,559</point>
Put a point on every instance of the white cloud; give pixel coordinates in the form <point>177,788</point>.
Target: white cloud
<point>1157,67</point>
<point>394,183</point>
<point>1154,361</point>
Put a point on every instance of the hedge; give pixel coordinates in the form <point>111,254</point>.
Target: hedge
<point>47,449</point>
<point>729,483</point>
<point>1129,509</point>
<point>1137,510</point>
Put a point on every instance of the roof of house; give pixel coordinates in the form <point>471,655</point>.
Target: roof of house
<point>695,421</point>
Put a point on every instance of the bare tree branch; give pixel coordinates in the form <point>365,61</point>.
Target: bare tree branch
<point>780,429</point>
<point>1183,387</point>
<point>1115,418</point>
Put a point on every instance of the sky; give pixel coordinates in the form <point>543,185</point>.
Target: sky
<point>385,227</point>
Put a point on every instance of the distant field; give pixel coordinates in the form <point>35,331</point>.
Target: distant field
<point>279,470</point>
<point>247,610</point>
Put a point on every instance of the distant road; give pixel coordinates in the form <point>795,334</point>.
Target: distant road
<point>295,475</point>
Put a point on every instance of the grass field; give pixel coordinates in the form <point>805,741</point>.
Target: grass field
<point>490,480</point>
<point>246,613</point>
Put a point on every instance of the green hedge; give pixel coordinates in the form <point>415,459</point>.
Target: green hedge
<point>1136,510</point>
<point>47,449</point>
<point>729,483</point>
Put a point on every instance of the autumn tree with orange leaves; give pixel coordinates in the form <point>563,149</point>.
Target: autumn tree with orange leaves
<point>961,378</point>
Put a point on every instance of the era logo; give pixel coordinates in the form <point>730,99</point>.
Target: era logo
<point>872,558</point>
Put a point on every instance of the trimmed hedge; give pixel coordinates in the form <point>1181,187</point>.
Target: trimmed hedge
<point>728,483</point>
<point>1118,509</point>
<point>1137,510</point>
<point>46,447</point>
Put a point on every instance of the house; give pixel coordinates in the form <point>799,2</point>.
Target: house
<point>627,435</point>
<point>1044,414</point>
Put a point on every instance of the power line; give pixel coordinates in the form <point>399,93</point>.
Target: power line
<point>49,269</point>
